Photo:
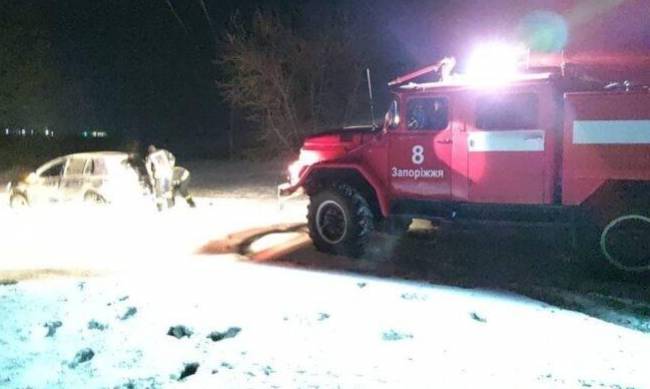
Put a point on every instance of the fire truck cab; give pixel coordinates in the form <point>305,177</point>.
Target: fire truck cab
<point>537,147</point>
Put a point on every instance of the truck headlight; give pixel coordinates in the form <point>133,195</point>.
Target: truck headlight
<point>294,171</point>
<point>306,159</point>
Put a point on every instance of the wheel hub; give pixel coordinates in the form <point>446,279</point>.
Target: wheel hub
<point>331,222</point>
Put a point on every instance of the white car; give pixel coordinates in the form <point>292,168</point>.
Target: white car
<point>97,177</point>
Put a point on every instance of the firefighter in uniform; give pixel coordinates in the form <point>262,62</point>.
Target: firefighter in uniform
<point>160,167</point>
<point>180,184</point>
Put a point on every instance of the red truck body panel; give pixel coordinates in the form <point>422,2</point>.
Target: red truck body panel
<point>606,137</point>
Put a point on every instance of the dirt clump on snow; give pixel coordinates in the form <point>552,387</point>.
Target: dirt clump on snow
<point>82,356</point>
<point>188,370</point>
<point>231,332</point>
<point>393,335</point>
<point>149,383</point>
<point>129,312</point>
<point>477,317</point>
<point>95,325</point>
<point>52,326</point>
<point>180,331</point>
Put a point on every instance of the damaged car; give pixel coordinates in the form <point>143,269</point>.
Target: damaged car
<point>94,177</point>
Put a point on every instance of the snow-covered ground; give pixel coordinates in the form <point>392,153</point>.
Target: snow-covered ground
<point>82,238</point>
<point>144,304</point>
<point>296,329</point>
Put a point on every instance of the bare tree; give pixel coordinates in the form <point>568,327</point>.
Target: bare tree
<point>289,82</point>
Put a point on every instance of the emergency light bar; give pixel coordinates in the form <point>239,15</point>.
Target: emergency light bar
<point>497,62</point>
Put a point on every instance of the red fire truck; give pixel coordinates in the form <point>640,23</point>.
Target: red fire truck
<point>544,144</point>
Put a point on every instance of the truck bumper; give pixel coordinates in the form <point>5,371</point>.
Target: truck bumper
<point>286,191</point>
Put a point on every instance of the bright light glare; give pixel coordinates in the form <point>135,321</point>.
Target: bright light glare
<point>307,158</point>
<point>495,62</point>
<point>294,171</point>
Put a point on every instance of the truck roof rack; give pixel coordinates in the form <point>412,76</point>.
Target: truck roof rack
<point>444,68</point>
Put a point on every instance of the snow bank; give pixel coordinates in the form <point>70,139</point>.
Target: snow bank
<point>303,329</point>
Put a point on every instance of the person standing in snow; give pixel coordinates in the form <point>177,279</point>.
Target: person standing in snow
<point>160,167</point>
<point>180,184</point>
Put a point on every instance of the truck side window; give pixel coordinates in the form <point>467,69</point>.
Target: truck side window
<point>507,112</point>
<point>429,113</point>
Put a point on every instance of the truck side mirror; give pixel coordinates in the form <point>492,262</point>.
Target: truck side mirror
<point>387,121</point>
<point>391,119</point>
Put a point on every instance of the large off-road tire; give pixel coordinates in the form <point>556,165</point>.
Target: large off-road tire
<point>616,240</point>
<point>18,200</point>
<point>340,220</point>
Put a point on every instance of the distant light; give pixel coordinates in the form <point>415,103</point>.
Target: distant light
<point>47,132</point>
<point>95,134</point>
<point>23,132</point>
<point>6,131</point>
<point>494,63</point>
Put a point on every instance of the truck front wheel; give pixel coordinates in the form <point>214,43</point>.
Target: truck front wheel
<point>340,220</point>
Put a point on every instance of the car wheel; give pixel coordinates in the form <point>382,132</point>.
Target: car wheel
<point>340,221</point>
<point>94,198</point>
<point>18,200</point>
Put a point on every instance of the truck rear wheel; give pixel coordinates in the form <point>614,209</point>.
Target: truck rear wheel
<point>340,221</point>
<point>618,241</point>
<point>625,242</point>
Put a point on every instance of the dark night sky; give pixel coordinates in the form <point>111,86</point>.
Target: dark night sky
<point>137,69</point>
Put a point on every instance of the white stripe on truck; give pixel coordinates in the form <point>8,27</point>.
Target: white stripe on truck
<point>500,141</point>
<point>605,132</point>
